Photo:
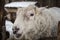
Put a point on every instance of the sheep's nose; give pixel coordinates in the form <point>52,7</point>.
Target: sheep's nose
<point>15,30</point>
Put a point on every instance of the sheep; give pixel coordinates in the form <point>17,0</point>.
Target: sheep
<point>33,23</point>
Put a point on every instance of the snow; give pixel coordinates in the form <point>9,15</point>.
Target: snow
<point>19,4</point>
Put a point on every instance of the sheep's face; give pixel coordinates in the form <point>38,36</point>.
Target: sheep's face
<point>27,23</point>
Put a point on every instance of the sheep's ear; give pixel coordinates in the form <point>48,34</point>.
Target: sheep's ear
<point>40,10</point>
<point>37,10</point>
<point>19,10</point>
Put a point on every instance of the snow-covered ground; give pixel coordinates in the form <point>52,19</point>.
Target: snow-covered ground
<point>20,4</point>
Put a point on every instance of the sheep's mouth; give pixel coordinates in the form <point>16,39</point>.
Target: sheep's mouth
<point>17,36</point>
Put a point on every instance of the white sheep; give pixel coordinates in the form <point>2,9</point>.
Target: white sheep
<point>33,23</point>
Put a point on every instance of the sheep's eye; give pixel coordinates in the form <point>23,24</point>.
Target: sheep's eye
<point>31,14</point>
